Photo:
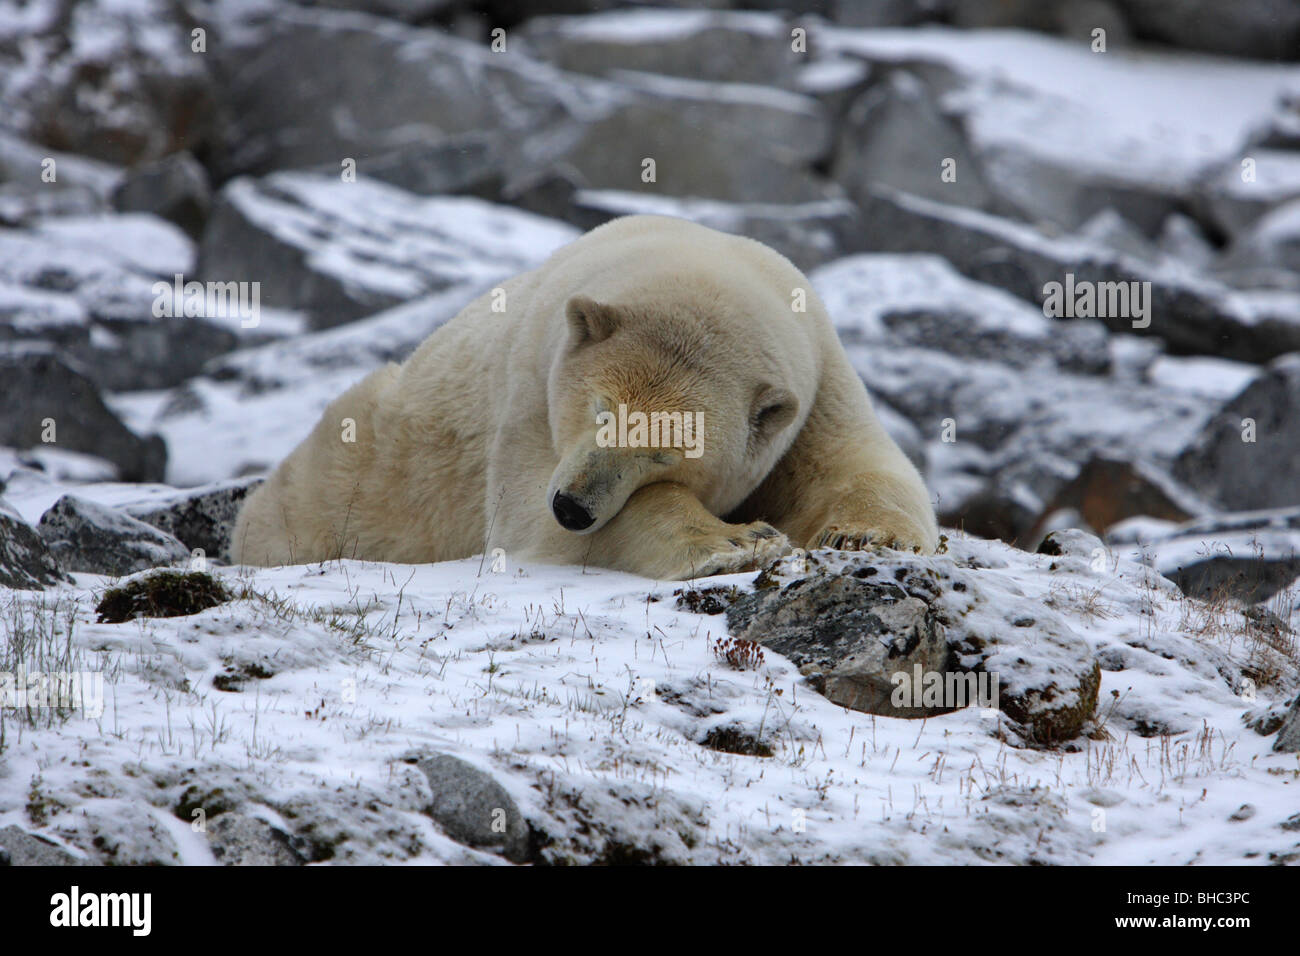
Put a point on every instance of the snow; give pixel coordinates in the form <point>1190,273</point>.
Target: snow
<point>646,26</point>
<point>1135,114</point>
<point>538,674</point>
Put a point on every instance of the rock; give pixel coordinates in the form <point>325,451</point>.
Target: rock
<point>90,285</point>
<point>896,135</point>
<point>115,81</point>
<point>84,536</point>
<point>119,832</point>
<point>435,88</point>
<point>716,46</point>
<point>201,518</point>
<point>1263,29</point>
<point>1273,242</point>
<point>469,163</point>
<point>808,234</point>
<point>998,510</point>
<point>1234,197</point>
<point>239,840</point>
<point>789,126</point>
<point>40,392</point>
<point>472,807</point>
<point>20,848</point>
<point>1109,490</point>
<point>1190,315</point>
<point>81,186</point>
<point>851,638</point>
<point>1244,464</point>
<point>339,251</point>
<point>174,187</point>
<point>1249,556</point>
<point>25,560</point>
<point>1039,672</point>
<point>1288,737</point>
<point>609,152</point>
<point>1057,145</point>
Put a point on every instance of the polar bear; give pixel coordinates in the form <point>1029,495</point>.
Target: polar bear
<point>658,397</point>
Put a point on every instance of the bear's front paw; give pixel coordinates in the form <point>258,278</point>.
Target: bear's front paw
<point>735,548</point>
<point>846,539</point>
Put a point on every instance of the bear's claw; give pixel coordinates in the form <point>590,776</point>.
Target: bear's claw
<point>868,540</point>
<point>755,546</point>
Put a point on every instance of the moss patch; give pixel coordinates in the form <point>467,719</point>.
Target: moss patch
<point>162,594</point>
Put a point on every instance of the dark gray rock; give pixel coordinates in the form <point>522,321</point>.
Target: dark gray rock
<point>1247,556</point>
<point>472,807</point>
<point>82,78</point>
<point>1191,316</point>
<point>89,285</point>
<point>404,88</point>
<point>850,637</point>
<point>608,152</point>
<point>20,848</point>
<point>718,46</point>
<point>1234,203</point>
<point>848,618</point>
<point>81,186</point>
<point>201,518</point>
<point>25,559</point>
<point>896,135</point>
<point>174,187</point>
<point>808,234</point>
<point>84,536</point>
<point>1264,473</point>
<point>1288,736</point>
<point>239,840</point>
<point>36,385</point>
<point>1263,29</point>
<point>340,251</point>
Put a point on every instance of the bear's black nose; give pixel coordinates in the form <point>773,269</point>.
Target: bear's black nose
<point>571,515</point>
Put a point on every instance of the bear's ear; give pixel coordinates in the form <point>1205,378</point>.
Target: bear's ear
<point>774,409</point>
<point>589,320</point>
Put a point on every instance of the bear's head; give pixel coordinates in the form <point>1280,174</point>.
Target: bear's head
<point>677,382</point>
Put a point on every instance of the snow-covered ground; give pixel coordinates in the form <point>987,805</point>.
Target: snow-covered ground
<point>588,695</point>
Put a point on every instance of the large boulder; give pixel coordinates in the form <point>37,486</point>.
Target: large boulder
<point>718,46</point>
<point>202,519</point>
<point>808,234</point>
<point>80,186</point>
<point>896,134</point>
<point>1248,455</point>
<point>909,636</point>
<point>44,397</point>
<point>338,251</point>
<point>405,89</point>
<point>1263,29</point>
<point>1247,556</point>
<point>84,536</point>
<point>99,288</point>
<point>1190,315</point>
<point>116,81</point>
<point>25,560</point>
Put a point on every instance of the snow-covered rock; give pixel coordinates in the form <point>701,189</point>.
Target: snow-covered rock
<point>25,560</point>
<point>1248,454</point>
<point>338,250</point>
<point>84,536</point>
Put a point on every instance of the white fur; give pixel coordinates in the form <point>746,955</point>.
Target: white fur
<point>461,448</point>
